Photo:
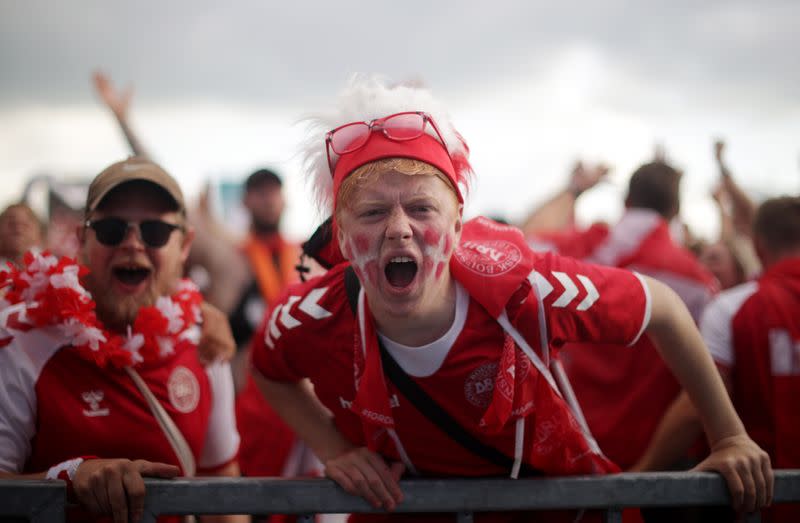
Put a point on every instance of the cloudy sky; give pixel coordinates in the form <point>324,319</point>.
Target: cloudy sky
<point>532,85</point>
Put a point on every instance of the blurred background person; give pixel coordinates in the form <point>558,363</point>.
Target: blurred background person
<point>624,391</point>
<point>557,214</point>
<point>732,257</point>
<point>118,102</point>
<point>272,262</point>
<point>271,258</point>
<point>753,333</point>
<point>20,231</point>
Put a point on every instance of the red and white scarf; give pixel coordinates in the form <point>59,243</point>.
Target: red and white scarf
<point>46,293</point>
<point>491,263</point>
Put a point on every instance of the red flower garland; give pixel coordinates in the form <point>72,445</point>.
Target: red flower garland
<point>46,292</point>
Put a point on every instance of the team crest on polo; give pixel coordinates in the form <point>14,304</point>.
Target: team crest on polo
<point>183,389</point>
<point>479,386</point>
<point>488,258</point>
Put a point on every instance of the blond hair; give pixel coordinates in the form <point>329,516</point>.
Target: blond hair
<point>362,176</point>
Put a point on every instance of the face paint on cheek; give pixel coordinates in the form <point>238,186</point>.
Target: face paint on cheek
<point>448,244</point>
<point>357,249</point>
<point>365,265</point>
<point>361,243</point>
<point>360,264</point>
<point>427,266</point>
<point>359,273</point>
<point>371,272</point>
<point>347,252</point>
<point>431,238</point>
<point>437,254</point>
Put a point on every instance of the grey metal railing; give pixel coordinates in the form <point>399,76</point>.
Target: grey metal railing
<point>35,500</point>
<point>44,501</point>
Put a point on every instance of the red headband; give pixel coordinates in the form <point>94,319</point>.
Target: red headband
<point>426,149</point>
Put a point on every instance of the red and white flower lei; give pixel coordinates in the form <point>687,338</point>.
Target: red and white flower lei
<point>46,292</point>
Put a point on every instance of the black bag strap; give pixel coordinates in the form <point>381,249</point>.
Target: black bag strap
<point>426,405</point>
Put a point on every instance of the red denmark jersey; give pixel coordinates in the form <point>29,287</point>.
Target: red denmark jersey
<point>55,405</point>
<point>753,331</point>
<point>313,333</point>
<point>624,392</point>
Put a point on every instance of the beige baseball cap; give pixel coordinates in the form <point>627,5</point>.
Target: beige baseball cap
<point>134,168</point>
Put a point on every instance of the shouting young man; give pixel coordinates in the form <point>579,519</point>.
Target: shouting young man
<point>428,345</point>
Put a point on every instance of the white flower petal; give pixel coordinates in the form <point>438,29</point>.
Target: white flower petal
<point>172,312</point>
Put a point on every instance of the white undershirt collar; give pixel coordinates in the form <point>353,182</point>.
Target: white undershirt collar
<point>425,360</point>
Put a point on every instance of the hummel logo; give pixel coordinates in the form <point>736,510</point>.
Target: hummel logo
<point>282,314</point>
<point>394,402</point>
<point>571,290</point>
<point>93,398</point>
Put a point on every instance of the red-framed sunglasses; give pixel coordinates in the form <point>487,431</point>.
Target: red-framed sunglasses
<point>400,127</point>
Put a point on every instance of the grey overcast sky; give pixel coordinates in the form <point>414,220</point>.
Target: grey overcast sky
<point>532,85</point>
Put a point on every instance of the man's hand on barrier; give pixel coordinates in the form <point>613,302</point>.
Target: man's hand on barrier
<point>364,473</point>
<point>216,342</point>
<point>746,468</point>
<point>115,486</point>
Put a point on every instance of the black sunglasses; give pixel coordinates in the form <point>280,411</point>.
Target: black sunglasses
<point>112,231</point>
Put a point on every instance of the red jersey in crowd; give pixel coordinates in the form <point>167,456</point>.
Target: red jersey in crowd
<point>753,333</point>
<point>55,405</point>
<point>625,391</point>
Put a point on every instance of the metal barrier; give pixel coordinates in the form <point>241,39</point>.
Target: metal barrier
<point>36,500</point>
<point>44,500</point>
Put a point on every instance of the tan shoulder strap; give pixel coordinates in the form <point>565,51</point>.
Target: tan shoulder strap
<point>171,431</point>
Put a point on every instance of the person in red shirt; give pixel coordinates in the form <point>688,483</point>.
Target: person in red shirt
<point>243,280</point>
<point>622,390</point>
<point>100,379</point>
<point>427,347</point>
<point>269,447</point>
<point>753,335</point>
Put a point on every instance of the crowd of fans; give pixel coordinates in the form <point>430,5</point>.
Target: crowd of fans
<point>402,339</point>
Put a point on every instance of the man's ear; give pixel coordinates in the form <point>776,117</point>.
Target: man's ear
<point>80,233</point>
<point>186,246</point>
<point>459,221</point>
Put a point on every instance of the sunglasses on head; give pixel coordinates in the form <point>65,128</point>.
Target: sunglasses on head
<point>399,127</point>
<point>112,231</point>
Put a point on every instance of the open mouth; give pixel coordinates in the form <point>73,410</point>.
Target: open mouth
<point>131,275</point>
<point>400,271</point>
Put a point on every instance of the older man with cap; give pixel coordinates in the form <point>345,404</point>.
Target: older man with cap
<point>102,395</point>
<point>428,343</point>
